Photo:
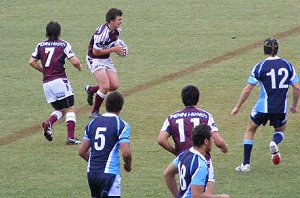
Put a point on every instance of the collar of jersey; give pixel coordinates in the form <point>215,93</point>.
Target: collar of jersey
<point>197,152</point>
<point>273,58</point>
<point>107,114</point>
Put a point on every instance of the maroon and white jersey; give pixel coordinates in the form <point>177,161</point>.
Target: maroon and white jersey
<point>102,39</point>
<point>52,55</point>
<point>180,124</point>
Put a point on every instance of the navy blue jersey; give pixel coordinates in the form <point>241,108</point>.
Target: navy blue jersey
<point>105,134</point>
<point>192,170</point>
<point>274,75</point>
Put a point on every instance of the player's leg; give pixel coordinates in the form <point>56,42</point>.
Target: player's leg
<point>114,186</point>
<point>94,185</point>
<point>278,121</point>
<point>254,122</point>
<point>91,90</point>
<point>103,81</point>
<point>55,115</point>
<point>113,80</point>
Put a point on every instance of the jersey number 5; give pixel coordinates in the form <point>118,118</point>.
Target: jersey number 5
<point>50,52</point>
<point>99,145</point>
<point>180,122</point>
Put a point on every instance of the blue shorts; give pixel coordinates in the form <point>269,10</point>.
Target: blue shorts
<point>102,185</point>
<point>276,119</point>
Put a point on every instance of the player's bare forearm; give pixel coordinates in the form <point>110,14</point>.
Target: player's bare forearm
<point>84,150</point>
<point>76,62</point>
<point>243,97</point>
<point>162,140</point>
<point>34,63</point>
<point>127,163</point>
<point>170,179</point>
<point>220,142</point>
<point>296,92</point>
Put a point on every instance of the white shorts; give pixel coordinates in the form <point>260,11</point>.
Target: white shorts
<point>115,189</point>
<point>57,89</point>
<point>95,64</point>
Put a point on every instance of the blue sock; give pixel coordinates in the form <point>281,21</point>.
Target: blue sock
<point>278,137</point>
<point>248,144</point>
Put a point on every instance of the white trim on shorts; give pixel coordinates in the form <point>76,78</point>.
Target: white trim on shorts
<point>95,64</point>
<point>115,189</point>
<point>57,89</point>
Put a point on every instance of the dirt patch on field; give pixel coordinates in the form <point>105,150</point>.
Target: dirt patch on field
<point>169,77</point>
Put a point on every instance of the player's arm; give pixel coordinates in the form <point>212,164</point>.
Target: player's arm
<point>170,179</point>
<point>33,62</point>
<point>243,97</point>
<point>76,62</point>
<point>116,48</point>
<point>127,157</point>
<point>296,92</point>
<point>84,150</point>
<point>198,192</point>
<point>162,140</point>
<point>219,141</point>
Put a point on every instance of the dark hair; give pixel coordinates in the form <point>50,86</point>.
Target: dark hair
<point>200,133</point>
<point>190,95</point>
<point>114,102</point>
<point>53,30</point>
<point>112,14</point>
<point>271,46</point>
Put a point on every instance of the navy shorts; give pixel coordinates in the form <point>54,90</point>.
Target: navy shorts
<point>276,119</point>
<point>101,184</point>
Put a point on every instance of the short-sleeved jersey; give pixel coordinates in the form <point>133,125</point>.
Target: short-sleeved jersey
<point>101,39</point>
<point>105,134</point>
<point>274,75</point>
<point>192,170</point>
<point>180,124</point>
<point>52,55</point>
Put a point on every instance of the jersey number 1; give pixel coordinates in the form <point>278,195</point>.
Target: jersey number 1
<point>50,52</point>
<point>180,122</point>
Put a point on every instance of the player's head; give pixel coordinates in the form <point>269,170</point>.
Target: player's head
<point>190,95</point>
<point>53,30</point>
<point>114,102</point>
<point>201,135</point>
<point>271,46</point>
<point>114,17</point>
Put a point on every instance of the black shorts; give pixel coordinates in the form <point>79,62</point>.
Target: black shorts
<point>100,184</point>
<point>63,103</point>
<point>276,119</point>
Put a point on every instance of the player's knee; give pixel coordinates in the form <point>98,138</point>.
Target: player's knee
<point>70,116</point>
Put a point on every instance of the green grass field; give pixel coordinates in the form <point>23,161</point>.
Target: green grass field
<point>164,37</point>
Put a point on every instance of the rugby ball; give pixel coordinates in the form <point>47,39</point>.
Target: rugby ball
<point>123,44</point>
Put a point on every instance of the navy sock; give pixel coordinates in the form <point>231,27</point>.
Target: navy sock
<point>278,137</point>
<point>248,144</point>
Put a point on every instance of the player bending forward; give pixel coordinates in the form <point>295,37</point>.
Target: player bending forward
<point>57,88</point>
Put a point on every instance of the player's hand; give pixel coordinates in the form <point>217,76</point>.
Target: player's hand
<point>80,68</point>
<point>235,111</point>
<point>224,196</point>
<point>293,109</point>
<point>225,149</point>
<point>118,49</point>
<point>127,168</point>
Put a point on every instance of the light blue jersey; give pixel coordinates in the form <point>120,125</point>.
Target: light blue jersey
<point>274,75</point>
<point>105,134</point>
<point>192,170</point>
